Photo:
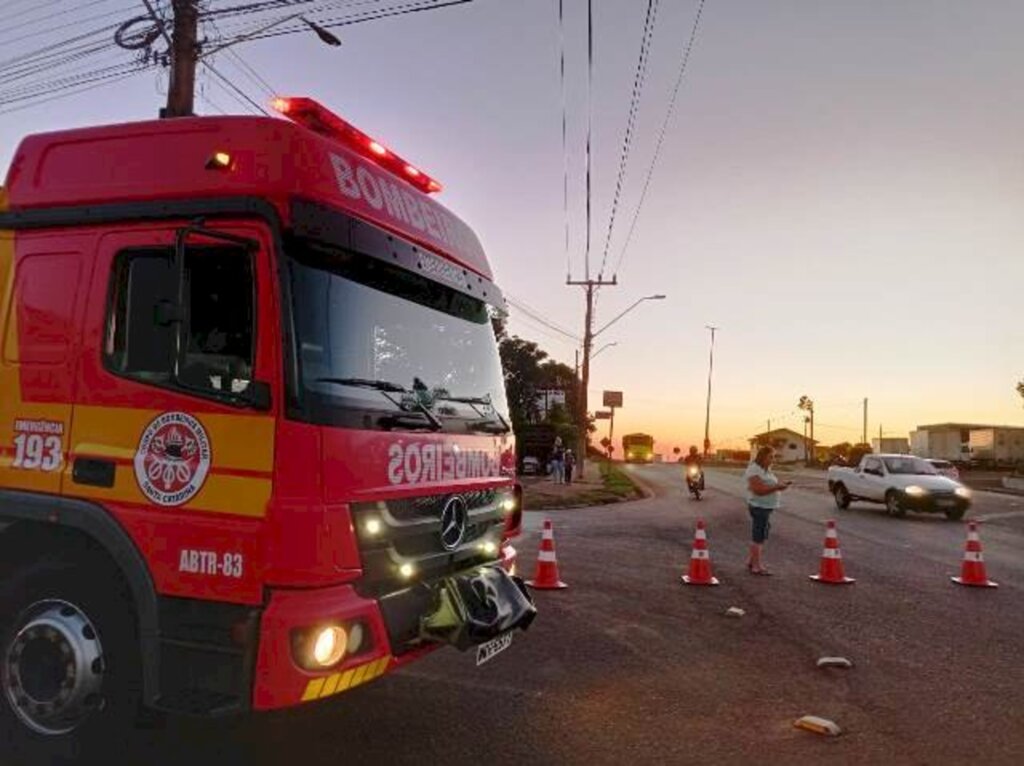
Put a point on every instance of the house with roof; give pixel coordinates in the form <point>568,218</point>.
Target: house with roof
<point>790,446</point>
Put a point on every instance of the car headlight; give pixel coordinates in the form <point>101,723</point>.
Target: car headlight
<point>963,492</point>
<point>915,491</point>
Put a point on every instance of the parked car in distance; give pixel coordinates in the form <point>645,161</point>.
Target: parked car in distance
<point>945,468</point>
<point>531,466</point>
<point>902,482</point>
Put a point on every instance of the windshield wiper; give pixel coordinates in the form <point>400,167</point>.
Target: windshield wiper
<point>379,385</point>
<point>494,424</point>
<point>386,387</point>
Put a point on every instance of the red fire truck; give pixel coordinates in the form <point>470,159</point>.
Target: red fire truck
<point>254,441</point>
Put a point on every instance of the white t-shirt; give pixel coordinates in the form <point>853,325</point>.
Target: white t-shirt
<point>772,501</point>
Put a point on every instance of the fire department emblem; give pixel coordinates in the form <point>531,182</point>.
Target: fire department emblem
<point>172,459</point>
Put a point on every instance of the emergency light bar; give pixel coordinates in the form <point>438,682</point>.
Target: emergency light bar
<point>316,117</point>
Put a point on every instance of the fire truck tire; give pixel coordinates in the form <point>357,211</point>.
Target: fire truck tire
<point>70,679</point>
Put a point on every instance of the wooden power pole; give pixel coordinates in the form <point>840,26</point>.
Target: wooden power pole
<point>184,54</point>
<point>589,286</point>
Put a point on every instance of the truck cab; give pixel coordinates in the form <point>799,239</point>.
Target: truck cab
<point>253,429</point>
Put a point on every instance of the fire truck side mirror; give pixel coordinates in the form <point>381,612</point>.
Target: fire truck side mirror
<point>259,395</point>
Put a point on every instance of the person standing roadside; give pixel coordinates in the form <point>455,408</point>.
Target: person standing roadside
<point>570,464</point>
<point>763,497</point>
<point>557,461</point>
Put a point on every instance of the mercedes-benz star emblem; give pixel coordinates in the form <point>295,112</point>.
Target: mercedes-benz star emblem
<point>453,523</point>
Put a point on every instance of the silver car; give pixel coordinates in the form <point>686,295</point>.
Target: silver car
<point>945,468</point>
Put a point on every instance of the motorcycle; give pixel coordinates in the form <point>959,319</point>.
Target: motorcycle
<point>695,481</point>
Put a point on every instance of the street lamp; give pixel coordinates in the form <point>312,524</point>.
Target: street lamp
<point>635,304</point>
<point>606,345</point>
<point>707,414</point>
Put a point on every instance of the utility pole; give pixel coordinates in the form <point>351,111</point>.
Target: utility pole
<point>864,438</point>
<point>184,53</point>
<point>707,413</point>
<point>588,339</point>
<point>611,433</point>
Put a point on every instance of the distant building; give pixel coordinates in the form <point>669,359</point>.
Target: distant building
<point>891,445</point>
<point>789,445</point>
<point>969,442</point>
<point>1001,445</point>
<point>944,441</point>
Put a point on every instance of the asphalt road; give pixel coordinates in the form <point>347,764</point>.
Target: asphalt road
<point>630,666</point>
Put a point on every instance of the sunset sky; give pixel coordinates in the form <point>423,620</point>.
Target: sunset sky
<point>841,189</point>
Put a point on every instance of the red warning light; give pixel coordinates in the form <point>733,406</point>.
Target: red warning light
<point>310,114</point>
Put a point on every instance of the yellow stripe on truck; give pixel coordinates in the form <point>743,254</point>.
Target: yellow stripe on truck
<point>239,480</point>
<point>122,427</point>
<point>320,688</point>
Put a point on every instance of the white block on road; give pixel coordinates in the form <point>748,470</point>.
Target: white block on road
<point>818,725</point>
<point>834,662</point>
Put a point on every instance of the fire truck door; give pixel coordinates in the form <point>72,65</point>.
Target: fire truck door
<point>41,302</point>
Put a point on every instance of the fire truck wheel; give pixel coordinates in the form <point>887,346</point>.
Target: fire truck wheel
<point>69,660</point>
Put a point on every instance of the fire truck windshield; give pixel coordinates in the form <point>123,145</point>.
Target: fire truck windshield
<point>384,348</point>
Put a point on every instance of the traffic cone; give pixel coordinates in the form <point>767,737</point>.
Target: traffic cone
<point>545,576</point>
<point>972,571</point>
<point>700,560</point>
<point>831,569</point>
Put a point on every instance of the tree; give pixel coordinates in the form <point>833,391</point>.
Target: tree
<point>857,451</point>
<point>521,361</point>
<point>807,405</point>
<point>841,450</point>
<point>558,416</point>
<point>1020,389</point>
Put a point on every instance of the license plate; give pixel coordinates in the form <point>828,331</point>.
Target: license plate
<point>492,648</point>
<point>946,503</point>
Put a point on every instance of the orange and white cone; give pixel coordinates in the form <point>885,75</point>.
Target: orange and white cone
<point>545,576</point>
<point>700,559</point>
<point>831,569</point>
<point>972,571</point>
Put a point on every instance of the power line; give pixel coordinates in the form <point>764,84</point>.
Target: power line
<point>235,88</point>
<point>252,74</point>
<point>634,108</point>
<point>110,80</point>
<point>8,28</point>
<point>661,135</point>
<point>537,317</point>
<point>49,30</point>
<point>401,10</point>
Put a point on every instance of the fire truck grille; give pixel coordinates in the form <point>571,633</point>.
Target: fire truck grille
<point>401,541</point>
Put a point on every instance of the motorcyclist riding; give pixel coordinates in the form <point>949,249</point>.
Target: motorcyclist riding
<point>694,472</point>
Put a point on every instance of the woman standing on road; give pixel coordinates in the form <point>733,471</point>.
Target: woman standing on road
<point>763,489</point>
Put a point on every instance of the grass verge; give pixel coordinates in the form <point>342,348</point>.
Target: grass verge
<point>610,485</point>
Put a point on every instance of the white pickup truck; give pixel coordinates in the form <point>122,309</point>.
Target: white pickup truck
<point>902,482</point>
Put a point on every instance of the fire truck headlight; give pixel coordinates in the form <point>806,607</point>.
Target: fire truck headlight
<point>407,570</point>
<point>373,526</point>
<point>330,645</point>
<point>508,504</point>
<point>488,547</point>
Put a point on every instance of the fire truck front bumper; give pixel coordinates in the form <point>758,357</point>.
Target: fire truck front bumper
<point>319,643</point>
